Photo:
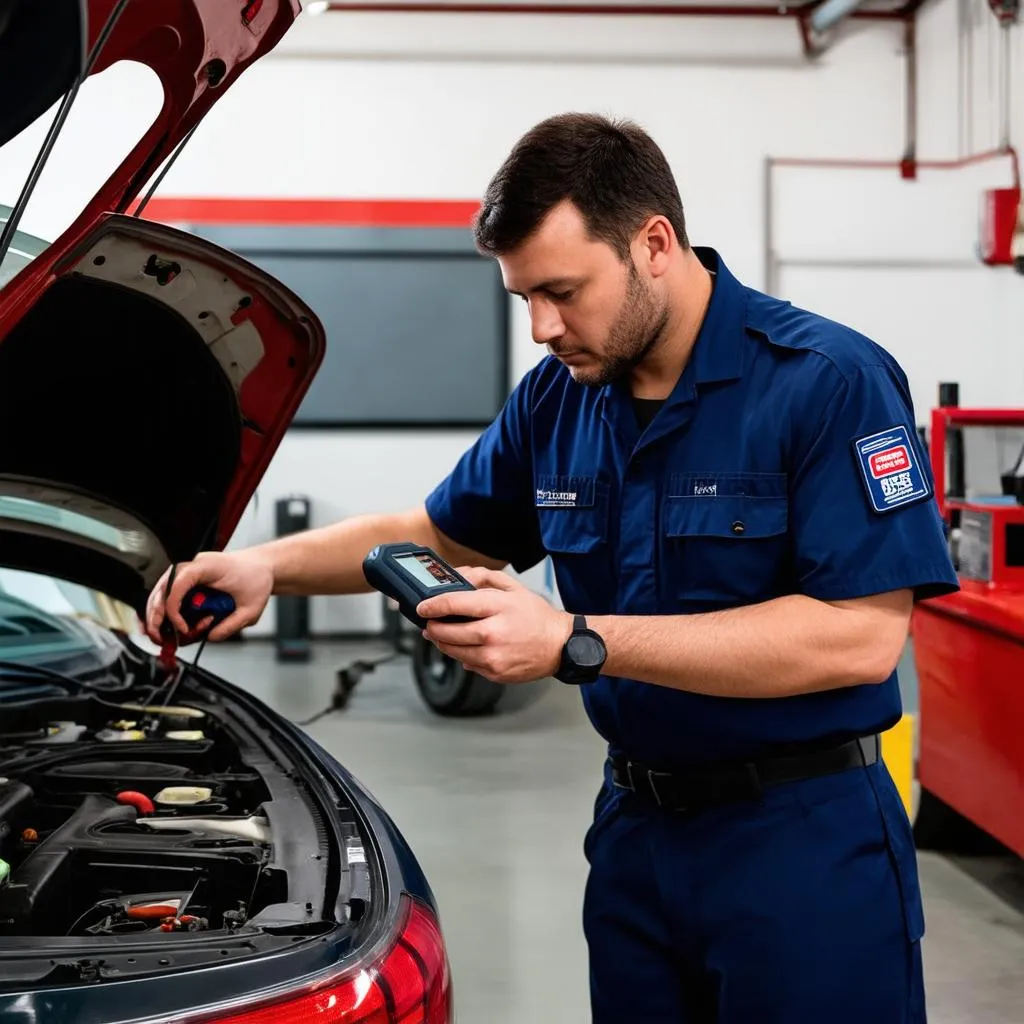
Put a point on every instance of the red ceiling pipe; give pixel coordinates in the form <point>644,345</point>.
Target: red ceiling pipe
<point>618,10</point>
<point>893,165</point>
<point>879,165</point>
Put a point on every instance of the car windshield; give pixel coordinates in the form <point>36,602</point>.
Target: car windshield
<point>47,621</point>
<point>38,513</point>
<point>24,249</point>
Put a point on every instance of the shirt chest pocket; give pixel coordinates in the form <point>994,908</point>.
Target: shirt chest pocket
<point>725,542</point>
<point>573,517</point>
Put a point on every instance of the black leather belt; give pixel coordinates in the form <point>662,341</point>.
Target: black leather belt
<point>707,786</point>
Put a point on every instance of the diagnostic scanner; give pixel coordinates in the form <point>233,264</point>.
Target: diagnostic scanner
<point>410,573</point>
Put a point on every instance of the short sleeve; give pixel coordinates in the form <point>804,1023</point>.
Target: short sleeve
<point>486,502</point>
<point>863,514</point>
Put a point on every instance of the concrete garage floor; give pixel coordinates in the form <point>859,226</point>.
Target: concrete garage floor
<point>496,808</point>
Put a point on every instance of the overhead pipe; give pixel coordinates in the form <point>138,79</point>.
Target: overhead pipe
<point>616,10</point>
<point>828,14</point>
<point>810,14</point>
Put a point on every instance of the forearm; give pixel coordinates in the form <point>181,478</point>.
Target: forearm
<point>329,559</point>
<point>783,647</point>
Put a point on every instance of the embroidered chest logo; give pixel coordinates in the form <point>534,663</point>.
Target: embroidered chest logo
<point>705,488</point>
<point>890,471</point>
<point>556,499</point>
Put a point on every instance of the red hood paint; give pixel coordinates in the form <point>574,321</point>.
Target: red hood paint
<point>146,376</point>
<point>198,48</point>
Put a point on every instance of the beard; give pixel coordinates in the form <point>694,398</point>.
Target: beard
<point>637,329</point>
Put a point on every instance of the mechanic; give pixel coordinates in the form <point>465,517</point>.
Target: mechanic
<point>736,503</point>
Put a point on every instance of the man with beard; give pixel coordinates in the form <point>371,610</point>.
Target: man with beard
<point>740,517</point>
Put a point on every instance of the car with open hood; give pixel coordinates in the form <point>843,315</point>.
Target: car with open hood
<point>195,859</point>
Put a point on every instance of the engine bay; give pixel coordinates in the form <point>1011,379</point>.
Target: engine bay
<point>127,824</point>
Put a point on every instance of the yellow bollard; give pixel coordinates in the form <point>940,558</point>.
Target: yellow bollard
<point>898,754</point>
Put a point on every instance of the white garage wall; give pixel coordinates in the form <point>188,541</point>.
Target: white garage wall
<point>401,106</point>
<point>897,258</point>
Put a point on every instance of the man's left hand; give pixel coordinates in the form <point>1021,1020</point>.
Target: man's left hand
<point>516,636</point>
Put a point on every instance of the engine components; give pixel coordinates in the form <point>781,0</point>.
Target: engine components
<point>139,801</point>
<point>255,829</point>
<point>195,831</point>
<point>174,796</point>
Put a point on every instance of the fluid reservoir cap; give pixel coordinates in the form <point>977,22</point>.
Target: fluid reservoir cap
<point>183,795</point>
<point>185,734</point>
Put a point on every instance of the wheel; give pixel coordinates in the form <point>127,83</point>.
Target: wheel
<point>447,688</point>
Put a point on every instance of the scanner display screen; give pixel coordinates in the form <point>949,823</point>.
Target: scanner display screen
<point>426,570</point>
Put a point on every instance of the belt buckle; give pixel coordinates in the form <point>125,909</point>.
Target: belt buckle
<point>648,777</point>
<point>647,782</point>
<point>658,798</point>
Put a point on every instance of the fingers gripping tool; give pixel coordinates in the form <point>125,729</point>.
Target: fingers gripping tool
<point>198,604</point>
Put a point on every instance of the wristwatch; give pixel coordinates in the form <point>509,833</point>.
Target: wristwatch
<point>583,654</point>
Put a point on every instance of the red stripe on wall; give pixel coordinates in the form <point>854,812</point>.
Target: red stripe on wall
<point>391,213</point>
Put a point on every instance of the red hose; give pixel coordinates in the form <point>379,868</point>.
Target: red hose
<point>152,911</point>
<point>139,801</point>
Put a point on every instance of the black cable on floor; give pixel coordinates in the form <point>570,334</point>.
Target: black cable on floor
<point>348,678</point>
<point>316,718</point>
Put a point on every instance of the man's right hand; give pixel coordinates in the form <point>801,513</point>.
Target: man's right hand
<point>246,575</point>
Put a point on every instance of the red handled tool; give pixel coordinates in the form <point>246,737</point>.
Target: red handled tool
<point>199,603</point>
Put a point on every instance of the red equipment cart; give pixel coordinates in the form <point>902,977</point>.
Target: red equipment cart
<point>969,646</point>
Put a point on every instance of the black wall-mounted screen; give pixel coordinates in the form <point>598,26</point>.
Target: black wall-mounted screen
<point>417,322</point>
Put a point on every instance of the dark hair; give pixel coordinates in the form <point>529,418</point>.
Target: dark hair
<point>611,170</point>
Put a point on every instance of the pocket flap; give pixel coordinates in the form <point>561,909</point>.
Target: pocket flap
<point>572,513</point>
<point>739,517</point>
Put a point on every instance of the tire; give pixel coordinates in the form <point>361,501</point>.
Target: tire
<point>447,688</point>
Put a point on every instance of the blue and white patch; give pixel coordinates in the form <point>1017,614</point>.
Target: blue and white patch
<point>891,470</point>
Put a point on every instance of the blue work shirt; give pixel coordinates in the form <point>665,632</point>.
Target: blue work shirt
<point>785,461</point>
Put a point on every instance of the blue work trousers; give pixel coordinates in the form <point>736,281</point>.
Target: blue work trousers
<point>801,908</point>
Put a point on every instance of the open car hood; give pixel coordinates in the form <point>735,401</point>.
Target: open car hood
<point>146,376</point>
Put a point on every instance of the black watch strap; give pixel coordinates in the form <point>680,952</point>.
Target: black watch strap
<point>583,654</point>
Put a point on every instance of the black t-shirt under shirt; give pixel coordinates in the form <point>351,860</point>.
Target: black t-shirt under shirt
<point>646,409</point>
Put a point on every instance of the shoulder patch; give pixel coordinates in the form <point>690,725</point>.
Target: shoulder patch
<point>889,466</point>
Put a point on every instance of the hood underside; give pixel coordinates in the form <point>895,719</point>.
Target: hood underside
<point>142,393</point>
<point>146,376</point>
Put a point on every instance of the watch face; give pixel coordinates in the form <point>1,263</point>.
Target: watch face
<point>585,651</point>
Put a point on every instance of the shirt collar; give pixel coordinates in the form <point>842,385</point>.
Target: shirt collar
<point>717,356</point>
<point>718,351</point>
